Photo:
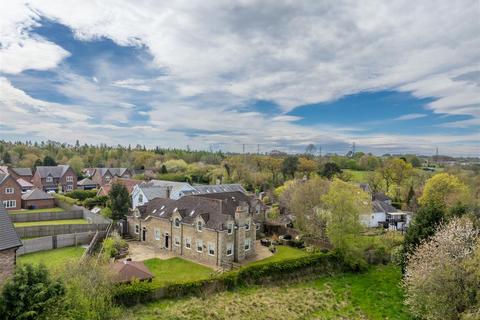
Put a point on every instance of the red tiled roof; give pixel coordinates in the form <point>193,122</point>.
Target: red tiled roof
<point>128,183</point>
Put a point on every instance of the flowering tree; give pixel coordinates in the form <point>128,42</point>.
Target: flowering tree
<point>440,281</point>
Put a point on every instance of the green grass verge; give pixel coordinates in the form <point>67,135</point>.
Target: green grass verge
<point>358,176</point>
<point>375,294</point>
<point>37,210</point>
<point>283,253</point>
<point>50,222</point>
<point>175,270</point>
<point>53,259</point>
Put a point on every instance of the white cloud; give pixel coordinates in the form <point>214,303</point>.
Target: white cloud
<point>134,84</point>
<point>410,116</point>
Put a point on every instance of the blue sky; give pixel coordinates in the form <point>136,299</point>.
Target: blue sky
<point>278,75</point>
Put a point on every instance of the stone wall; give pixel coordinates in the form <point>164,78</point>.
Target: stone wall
<point>7,263</point>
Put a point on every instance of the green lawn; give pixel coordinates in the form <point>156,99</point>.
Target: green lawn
<point>358,176</point>
<point>53,259</point>
<point>374,295</point>
<point>50,222</point>
<point>176,270</point>
<point>37,210</point>
<point>283,253</point>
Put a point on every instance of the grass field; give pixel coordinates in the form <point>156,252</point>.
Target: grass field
<point>283,253</point>
<point>50,222</point>
<point>358,176</point>
<point>53,259</point>
<point>372,295</point>
<point>176,270</point>
<point>37,210</point>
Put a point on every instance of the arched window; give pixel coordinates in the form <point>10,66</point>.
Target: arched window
<point>177,222</point>
<point>199,226</point>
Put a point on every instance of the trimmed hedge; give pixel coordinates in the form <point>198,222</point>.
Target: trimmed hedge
<point>290,269</point>
<point>66,199</point>
<point>82,194</point>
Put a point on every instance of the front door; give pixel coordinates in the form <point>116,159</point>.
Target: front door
<point>144,234</point>
<point>166,241</point>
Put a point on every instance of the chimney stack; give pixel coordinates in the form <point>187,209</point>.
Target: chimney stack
<point>169,190</point>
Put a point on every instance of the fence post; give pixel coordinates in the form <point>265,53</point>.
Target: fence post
<point>75,238</point>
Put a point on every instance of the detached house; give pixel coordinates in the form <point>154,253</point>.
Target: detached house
<point>55,178</point>
<point>102,176</point>
<point>216,231</point>
<point>10,192</point>
<point>385,215</point>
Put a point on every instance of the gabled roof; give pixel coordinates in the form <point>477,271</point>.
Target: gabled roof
<point>215,188</point>
<point>128,183</point>
<point>380,206</point>
<point>5,176</point>
<point>8,236</point>
<point>54,171</point>
<point>86,182</point>
<point>380,196</point>
<point>24,183</point>
<point>22,171</point>
<point>158,188</point>
<point>36,194</point>
<point>113,171</point>
<point>126,271</point>
<point>215,209</point>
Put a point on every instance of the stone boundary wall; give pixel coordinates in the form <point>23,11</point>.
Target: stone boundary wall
<point>45,216</point>
<point>53,230</point>
<point>53,242</point>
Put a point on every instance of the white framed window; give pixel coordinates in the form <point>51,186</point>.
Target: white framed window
<point>140,198</point>
<point>188,243</point>
<point>176,241</point>
<point>247,225</point>
<point>137,228</point>
<point>10,204</point>
<point>211,249</point>
<point>69,178</point>
<point>229,249</point>
<point>199,226</point>
<point>49,179</point>
<point>69,187</point>
<point>9,191</point>
<point>230,227</point>
<point>199,246</point>
<point>177,223</point>
<point>107,178</point>
<point>157,233</point>
<point>257,226</point>
<point>248,244</point>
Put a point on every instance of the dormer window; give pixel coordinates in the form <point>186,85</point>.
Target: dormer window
<point>199,226</point>
<point>49,179</point>
<point>230,227</point>
<point>177,223</point>
<point>247,225</point>
<point>107,178</point>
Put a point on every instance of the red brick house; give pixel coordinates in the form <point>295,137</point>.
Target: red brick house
<point>10,192</point>
<point>102,176</point>
<point>9,243</point>
<point>37,199</point>
<point>21,173</point>
<point>55,178</point>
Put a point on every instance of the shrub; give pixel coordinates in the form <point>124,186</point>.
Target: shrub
<point>68,200</point>
<point>179,177</point>
<point>97,201</point>
<point>81,194</point>
<point>113,245</point>
<point>29,293</point>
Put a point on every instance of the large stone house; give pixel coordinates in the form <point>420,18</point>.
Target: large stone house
<point>55,178</point>
<point>9,243</point>
<point>216,230</point>
<point>102,176</point>
<point>10,192</point>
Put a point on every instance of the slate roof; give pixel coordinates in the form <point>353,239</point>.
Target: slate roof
<point>126,271</point>
<point>113,171</point>
<point>380,196</point>
<point>8,237</point>
<point>54,171</point>
<point>215,210</point>
<point>215,188</point>
<point>36,194</point>
<point>86,182</point>
<point>158,188</point>
<point>3,177</point>
<point>22,171</point>
<point>380,206</point>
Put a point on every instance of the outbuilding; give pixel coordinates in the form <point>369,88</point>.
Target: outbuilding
<point>37,199</point>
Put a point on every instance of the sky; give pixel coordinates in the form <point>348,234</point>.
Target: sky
<point>391,76</point>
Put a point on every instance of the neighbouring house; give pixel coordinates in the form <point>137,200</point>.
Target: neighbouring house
<point>25,185</point>
<point>128,183</point>
<point>37,199</point>
<point>126,271</point>
<point>385,215</point>
<point>215,188</point>
<point>217,231</point>
<point>86,184</point>
<point>21,173</point>
<point>102,176</point>
<point>147,191</point>
<point>10,192</point>
<point>55,178</point>
<point>9,243</point>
